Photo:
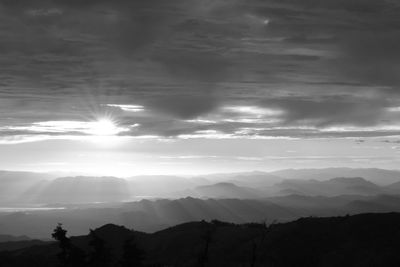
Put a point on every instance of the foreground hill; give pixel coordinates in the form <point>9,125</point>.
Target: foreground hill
<point>360,240</point>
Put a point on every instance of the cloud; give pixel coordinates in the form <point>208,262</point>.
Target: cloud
<point>101,127</point>
<point>373,57</point>
<point>333,110</point>
<point>44,12</point>
<point>357,6</point>
<point>129,108</point>
<point>175,66</point>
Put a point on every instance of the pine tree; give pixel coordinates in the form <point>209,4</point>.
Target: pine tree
<point>70,255</point>
<point>60,235</point>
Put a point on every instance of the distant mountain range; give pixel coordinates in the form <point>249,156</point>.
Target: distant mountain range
<point>15,186</point>
<point>21,188</point>
<point>222,190</point>
<point>9,242</point>
<point>83,189</point>
<point>377,176</point>
<point>361,240</point>
<point>151,203</point>
<point>331,187</point>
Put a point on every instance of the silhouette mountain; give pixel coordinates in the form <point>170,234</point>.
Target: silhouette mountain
<point>16,245</point>
<point>359,240</point>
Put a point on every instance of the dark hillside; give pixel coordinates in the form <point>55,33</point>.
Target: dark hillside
<point>359,240</point>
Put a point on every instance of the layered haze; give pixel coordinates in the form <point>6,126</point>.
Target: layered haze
<point>31,203</point>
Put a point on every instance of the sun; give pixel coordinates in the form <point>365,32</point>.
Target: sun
<point>103,127</point>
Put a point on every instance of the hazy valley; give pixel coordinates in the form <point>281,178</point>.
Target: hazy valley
<point>34,203</point>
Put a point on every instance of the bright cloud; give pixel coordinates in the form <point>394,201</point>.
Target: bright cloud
<point>130,108</point>
<point>100,127</point>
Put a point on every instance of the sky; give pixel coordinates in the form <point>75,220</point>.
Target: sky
<point>128,87</point>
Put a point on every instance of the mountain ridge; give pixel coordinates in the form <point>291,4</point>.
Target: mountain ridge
<point>360,240</point>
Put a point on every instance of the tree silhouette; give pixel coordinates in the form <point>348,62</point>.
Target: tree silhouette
<point>207,237</point>
<point>132,255</point>
<point>255,246</point>
<point>70,255</point>
<point>60,235</point>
